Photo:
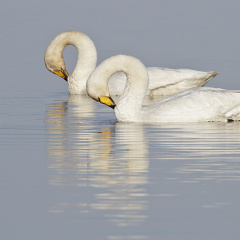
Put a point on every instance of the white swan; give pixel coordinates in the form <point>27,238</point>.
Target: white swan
<point>192,105</point>
<point>163,81</point>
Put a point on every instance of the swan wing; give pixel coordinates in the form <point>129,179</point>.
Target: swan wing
<point>196,105</point>
<point>165,81</point>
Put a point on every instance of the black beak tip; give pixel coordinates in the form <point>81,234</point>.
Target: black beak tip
<point>65,76</point>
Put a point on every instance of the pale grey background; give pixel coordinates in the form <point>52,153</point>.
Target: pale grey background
<point>202,35</point>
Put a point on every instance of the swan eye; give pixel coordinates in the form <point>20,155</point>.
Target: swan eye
<point>107,101</point>
<point>62,73</point>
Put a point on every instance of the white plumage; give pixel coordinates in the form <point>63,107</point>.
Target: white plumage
<point>163,81</point>
<point>192,105</point>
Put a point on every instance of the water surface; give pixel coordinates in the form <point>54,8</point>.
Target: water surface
<point>70,167</point>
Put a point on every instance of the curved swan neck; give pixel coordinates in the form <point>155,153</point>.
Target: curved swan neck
<point>86,62</point>
<point>136,85</point>
<point>87,54</point>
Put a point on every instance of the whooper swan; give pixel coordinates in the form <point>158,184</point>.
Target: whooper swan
<point>162,81</point>
<point>192,105</point>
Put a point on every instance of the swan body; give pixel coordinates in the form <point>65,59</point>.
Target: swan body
<point>192,105</point>
<point>162,81</point>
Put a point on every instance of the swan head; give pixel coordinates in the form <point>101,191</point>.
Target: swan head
<point>55,64</point>
<point>99,92</point>
<point>53,57</point>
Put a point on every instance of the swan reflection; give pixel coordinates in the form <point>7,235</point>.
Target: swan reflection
<point>66,122</point>
<point>109,162</point>
<point>112,157</point>
<point>202,151</point>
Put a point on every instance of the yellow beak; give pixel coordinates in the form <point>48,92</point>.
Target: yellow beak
<point>107,101</point>
<point>62,73</point>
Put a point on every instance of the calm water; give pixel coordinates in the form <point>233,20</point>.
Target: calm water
<point>70,171</point>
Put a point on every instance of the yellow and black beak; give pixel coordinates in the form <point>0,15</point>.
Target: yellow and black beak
<point>107,101</point>
<point>62,73</point>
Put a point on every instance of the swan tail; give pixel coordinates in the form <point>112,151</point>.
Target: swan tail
<point>210,75</point>
<point>233,115</point>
